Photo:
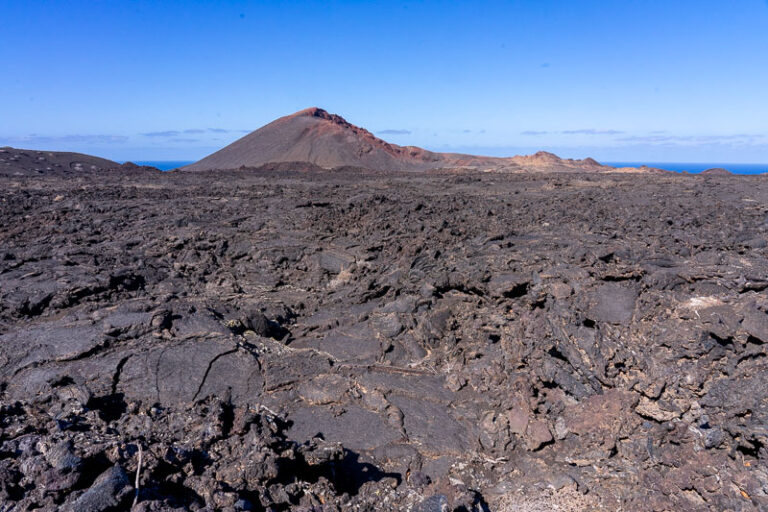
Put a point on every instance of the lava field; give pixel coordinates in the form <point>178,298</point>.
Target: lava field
<point>332,341</point>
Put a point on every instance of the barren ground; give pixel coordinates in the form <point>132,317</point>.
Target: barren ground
<point>348,341</point>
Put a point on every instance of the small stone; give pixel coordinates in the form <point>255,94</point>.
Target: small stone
<point>713,438</point>
<point>61,457</point>
<point>561,428</point>
<point>538,434</point>
<point>518,421</point>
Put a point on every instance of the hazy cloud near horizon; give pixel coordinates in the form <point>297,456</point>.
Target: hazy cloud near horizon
<point>592,131</point>
<point>65,139</point>
<point>169,133</point>
<point>394,132</point>
<point>657,138</point>
<point>739,139</point>
<point>582,131</point>
<point>176,133</point>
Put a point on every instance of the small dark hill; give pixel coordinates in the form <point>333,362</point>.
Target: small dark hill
<point>23,162</point>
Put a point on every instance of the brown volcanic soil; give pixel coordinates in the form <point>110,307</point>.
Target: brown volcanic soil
<point>333,341</point>
<point>329,141</point>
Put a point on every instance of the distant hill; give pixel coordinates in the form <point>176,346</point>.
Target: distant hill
<point>328,141</point>
<point>14,161</point>
<point>716,171</point>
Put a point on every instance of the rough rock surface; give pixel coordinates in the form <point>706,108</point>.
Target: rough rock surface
<point>336,341</point>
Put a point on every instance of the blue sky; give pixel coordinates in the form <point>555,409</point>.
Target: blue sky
<point>631,80</point>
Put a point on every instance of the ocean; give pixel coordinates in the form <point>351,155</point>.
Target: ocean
<point>163,165</point>
<point>694,168</point>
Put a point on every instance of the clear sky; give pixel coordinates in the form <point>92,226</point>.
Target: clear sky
<point>632,80</point>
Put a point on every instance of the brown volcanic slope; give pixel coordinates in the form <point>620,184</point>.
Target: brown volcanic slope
<point>329,141</point>
<point>31,162</point>
<point>14,161</point>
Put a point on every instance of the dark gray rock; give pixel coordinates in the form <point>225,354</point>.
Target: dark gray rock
<point>756,324</point>
<point>435,503</point>
<point>111,489</point>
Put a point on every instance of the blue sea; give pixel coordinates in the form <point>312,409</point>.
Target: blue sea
<point>695,168</point>
<point>163,165</point>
